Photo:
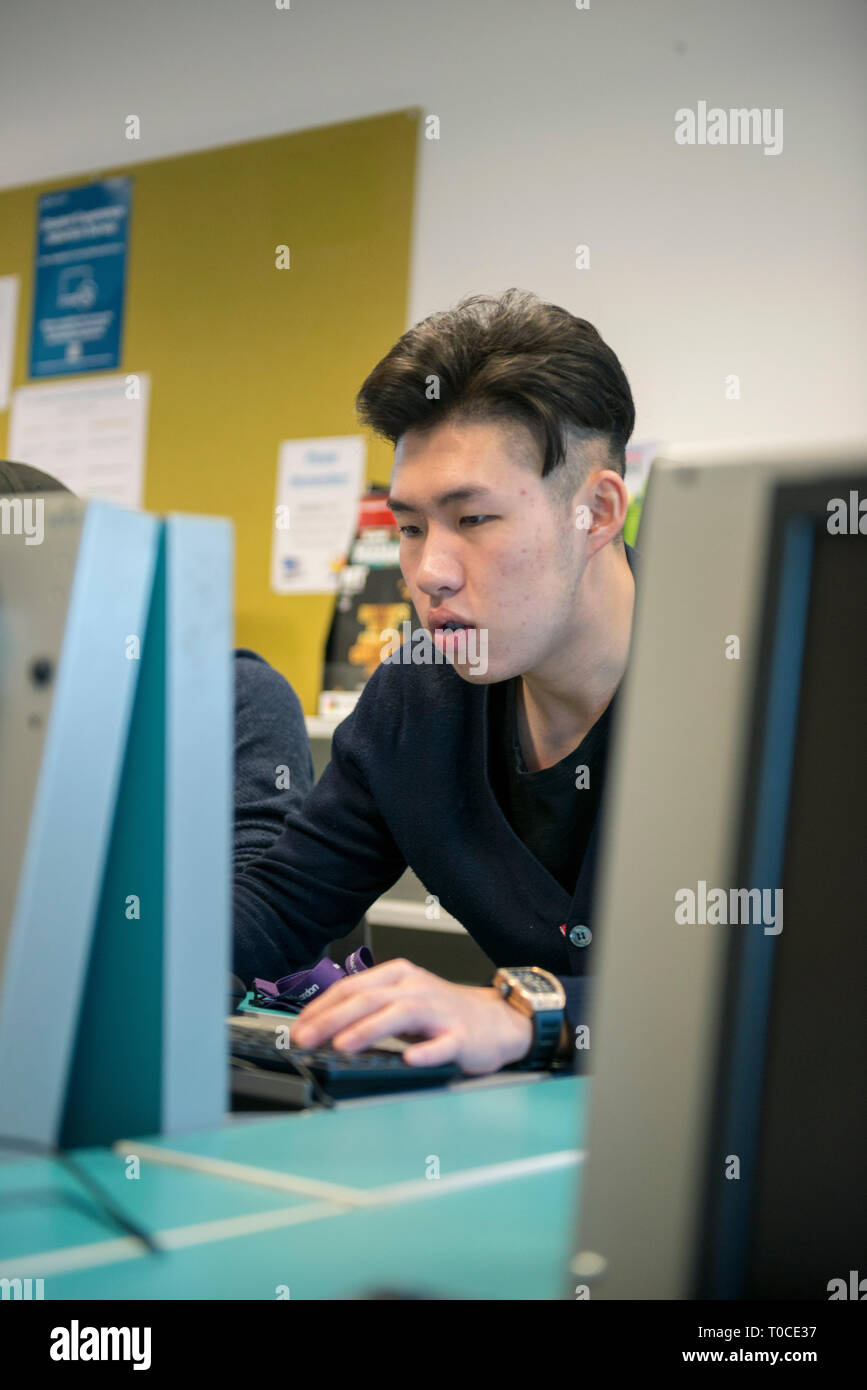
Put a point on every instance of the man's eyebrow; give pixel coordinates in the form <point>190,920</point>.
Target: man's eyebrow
<point>455,494</point>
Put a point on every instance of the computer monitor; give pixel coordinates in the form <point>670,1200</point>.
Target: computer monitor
<point>115,803</point>
<point>727,1139</point>
<point>156,985</point>
<point>75,579</point>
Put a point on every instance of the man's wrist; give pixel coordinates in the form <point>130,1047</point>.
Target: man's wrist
<point>550,1032</point>
<point>518,1027</point>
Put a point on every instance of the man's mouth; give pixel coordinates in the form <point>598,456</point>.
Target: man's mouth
<point>443,623</point>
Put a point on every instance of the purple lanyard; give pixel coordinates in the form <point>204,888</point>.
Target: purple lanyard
<point>298,989</point>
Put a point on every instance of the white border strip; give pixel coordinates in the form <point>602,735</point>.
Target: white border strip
<point>105,1252</point>
<point>473,1177</point>
<point>239,1172</point>
<point>354,1196</point>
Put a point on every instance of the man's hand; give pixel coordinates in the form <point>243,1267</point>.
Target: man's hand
<point>474,1027</point>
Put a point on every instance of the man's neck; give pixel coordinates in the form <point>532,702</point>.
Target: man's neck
<point>559,703</point>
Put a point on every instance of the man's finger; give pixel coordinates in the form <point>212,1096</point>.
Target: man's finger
<point>390,973</point>
<point>433,1052</point>
<point>399,1016</point>
<point>307,1032</point>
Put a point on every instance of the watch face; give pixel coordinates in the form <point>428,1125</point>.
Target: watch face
<point>542,992</point>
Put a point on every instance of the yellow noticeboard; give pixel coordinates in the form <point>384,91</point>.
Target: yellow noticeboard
<point>241,354</point>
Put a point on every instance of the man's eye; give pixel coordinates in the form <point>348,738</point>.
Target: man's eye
<point>409,530</point>
<point>474,520</point>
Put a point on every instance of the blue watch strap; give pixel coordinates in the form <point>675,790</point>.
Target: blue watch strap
<point>547,1026</point>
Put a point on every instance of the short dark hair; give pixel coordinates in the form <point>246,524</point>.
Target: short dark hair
<point>509,358</point>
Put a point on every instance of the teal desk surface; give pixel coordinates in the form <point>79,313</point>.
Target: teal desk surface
<point>468,1193</point>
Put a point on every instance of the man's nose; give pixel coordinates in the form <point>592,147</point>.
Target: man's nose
<point>439,568</point>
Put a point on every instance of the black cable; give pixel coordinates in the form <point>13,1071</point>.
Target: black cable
<point>96,1190</point>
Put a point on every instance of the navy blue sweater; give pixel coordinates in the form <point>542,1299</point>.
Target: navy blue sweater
<point>270,733</point>
<point>407,784</point>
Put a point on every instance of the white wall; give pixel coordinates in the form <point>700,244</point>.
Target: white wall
<point>557,128</point>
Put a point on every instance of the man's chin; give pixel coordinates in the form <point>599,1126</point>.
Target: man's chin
<point>475,674</point>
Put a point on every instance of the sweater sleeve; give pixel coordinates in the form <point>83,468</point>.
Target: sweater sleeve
<point>335,856</point>
<point>273,766</point>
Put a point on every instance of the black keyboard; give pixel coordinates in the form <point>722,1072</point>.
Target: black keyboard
<point>340,1075</point>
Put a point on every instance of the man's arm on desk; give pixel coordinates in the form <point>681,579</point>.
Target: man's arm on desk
<point>314,883</point>
<point>474,1027</point>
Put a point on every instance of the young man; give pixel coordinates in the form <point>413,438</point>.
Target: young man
<point>483,770</point>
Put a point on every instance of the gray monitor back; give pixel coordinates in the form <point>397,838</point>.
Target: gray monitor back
<point>674,819</point>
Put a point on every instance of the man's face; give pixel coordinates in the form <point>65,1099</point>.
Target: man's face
<point>483,543</point>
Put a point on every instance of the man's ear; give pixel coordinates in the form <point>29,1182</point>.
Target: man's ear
<point>600,507</point>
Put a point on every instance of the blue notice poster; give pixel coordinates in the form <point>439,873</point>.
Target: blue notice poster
<point>81,242</point>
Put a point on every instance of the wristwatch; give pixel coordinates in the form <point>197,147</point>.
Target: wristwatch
<point>541,998</point>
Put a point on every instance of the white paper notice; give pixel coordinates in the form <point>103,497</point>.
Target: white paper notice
<point>89,434</point>
<point>8,311</point>
<point>319,482</point>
